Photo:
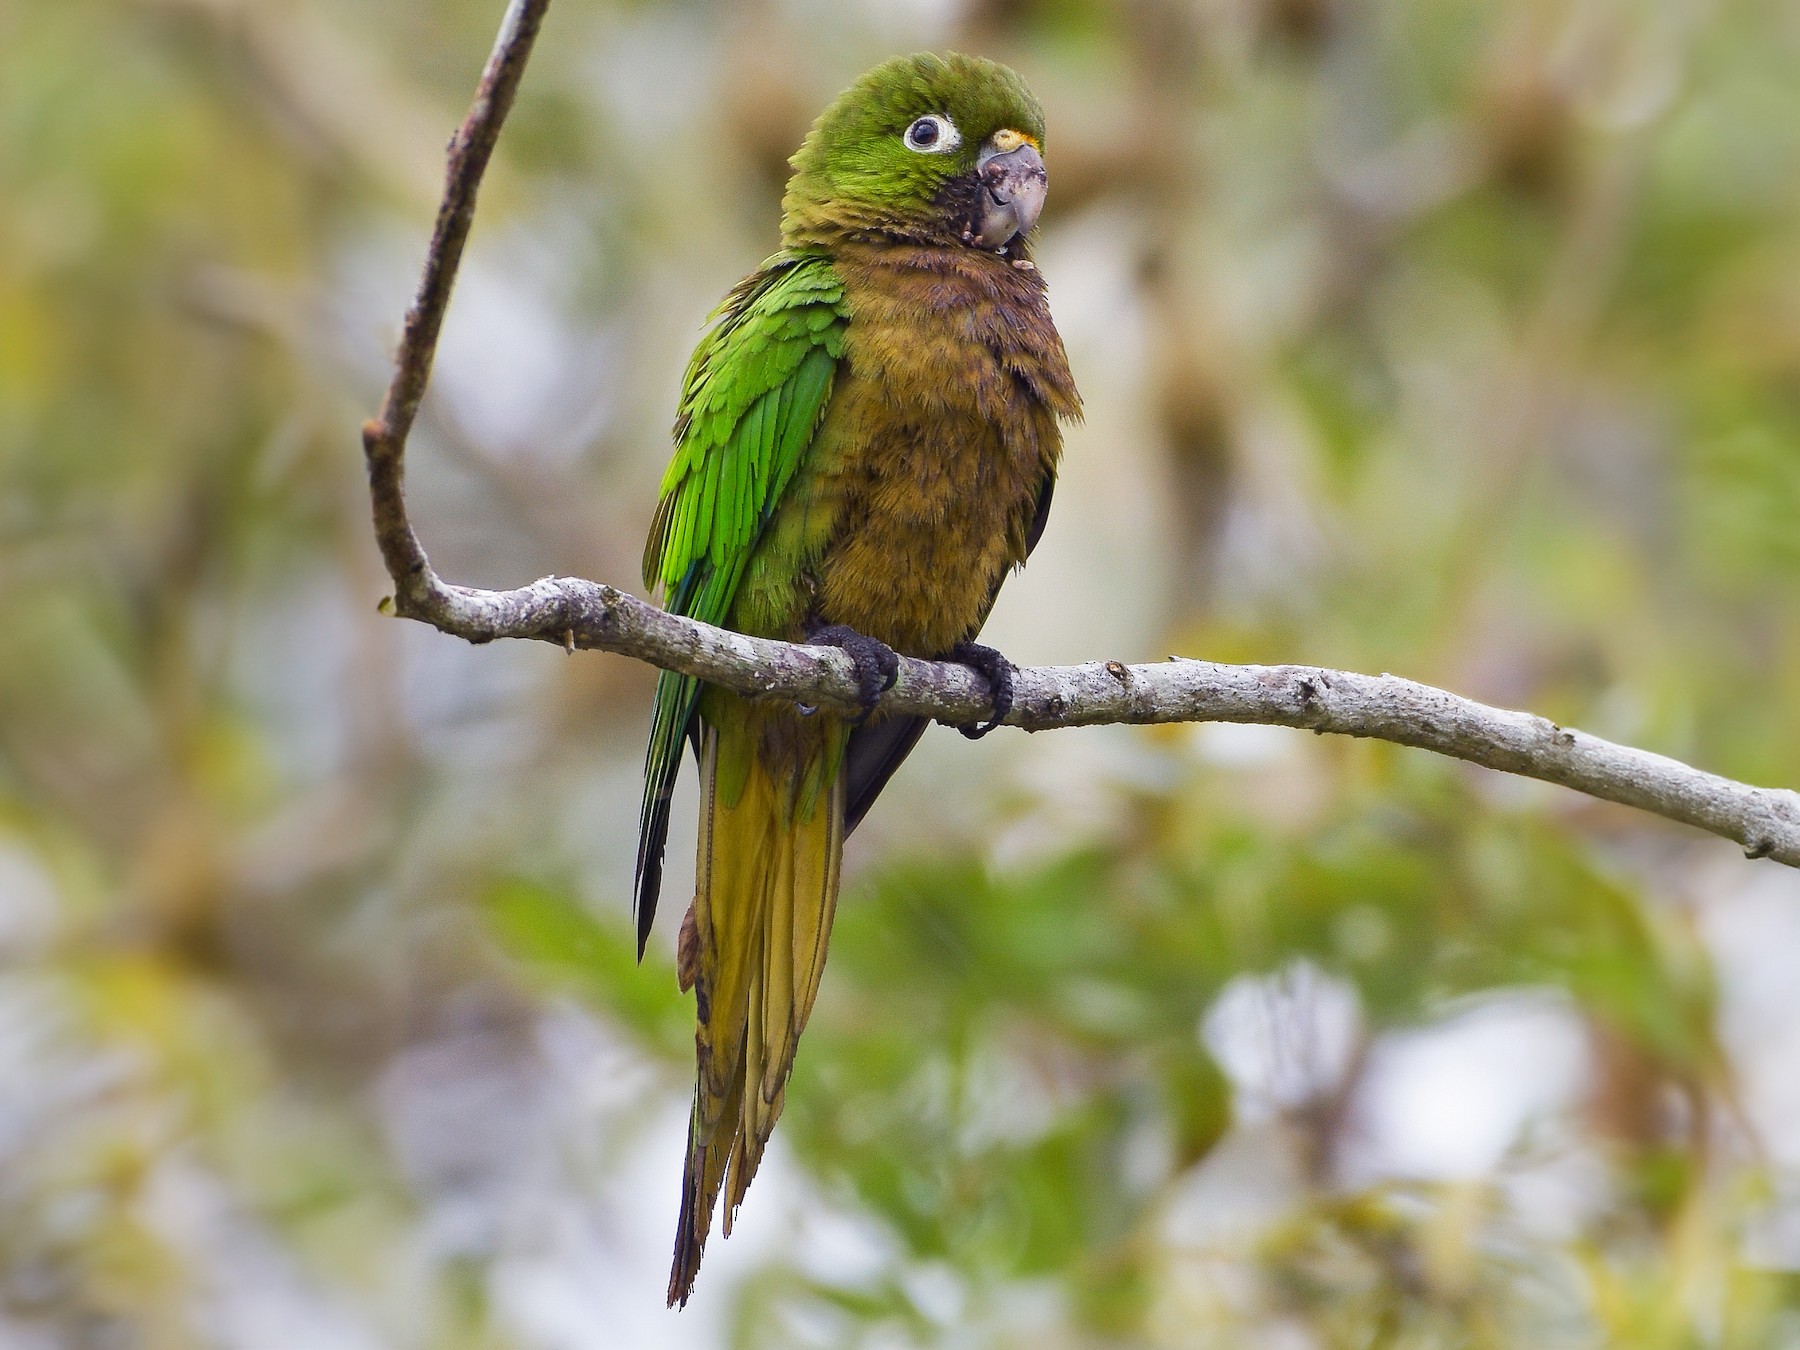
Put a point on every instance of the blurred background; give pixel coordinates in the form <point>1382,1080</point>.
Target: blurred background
<point>1459,340</point>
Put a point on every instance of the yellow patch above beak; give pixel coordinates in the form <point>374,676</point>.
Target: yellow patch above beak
<point>1008,139</point>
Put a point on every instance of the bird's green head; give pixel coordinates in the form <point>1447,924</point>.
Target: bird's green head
<point>940,150</point>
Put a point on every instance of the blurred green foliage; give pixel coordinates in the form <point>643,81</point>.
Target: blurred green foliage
<point>1455,339</point>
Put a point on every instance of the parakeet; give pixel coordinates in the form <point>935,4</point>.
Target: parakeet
<point>866,444</point>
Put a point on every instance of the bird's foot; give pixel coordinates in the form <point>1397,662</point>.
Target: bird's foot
<point>997,671</point>
<point>877,664</point>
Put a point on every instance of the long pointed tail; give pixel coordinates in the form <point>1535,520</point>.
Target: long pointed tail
<point>771,846</point>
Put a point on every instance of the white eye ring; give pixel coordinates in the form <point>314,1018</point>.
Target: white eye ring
<point>932,134</point>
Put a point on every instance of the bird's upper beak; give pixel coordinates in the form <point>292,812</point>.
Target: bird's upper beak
<point>1014,181</point>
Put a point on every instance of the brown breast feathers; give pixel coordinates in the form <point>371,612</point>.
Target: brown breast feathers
<point>942,429</point>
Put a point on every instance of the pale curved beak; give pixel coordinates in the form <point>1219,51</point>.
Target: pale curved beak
<point>1014,182</point>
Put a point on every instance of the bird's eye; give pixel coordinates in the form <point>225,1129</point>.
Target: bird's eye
<point>932,134</point>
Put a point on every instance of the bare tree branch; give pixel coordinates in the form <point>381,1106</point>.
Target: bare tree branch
<point>577,613</point>
<point>384,438</point>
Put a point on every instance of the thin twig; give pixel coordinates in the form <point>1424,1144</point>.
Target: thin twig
<point>589,614</point>
<point>384,438</point>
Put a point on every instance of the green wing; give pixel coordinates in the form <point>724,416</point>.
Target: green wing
<point>751,400</point>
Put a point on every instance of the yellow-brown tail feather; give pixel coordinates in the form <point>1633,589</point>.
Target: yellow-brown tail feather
<point>770,857</point>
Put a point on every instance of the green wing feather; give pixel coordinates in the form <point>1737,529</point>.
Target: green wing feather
<point>752,398</point>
